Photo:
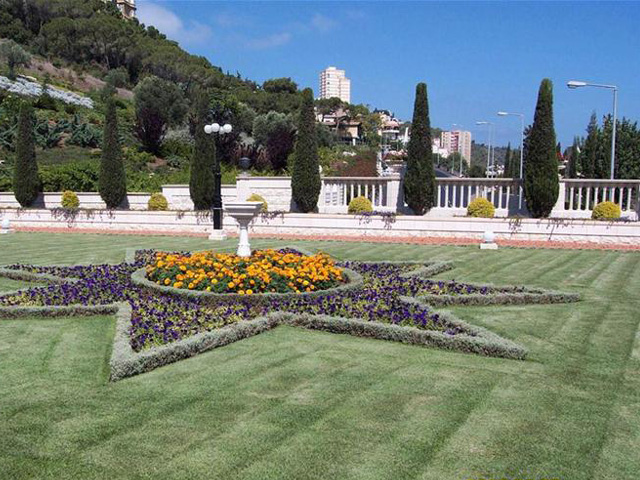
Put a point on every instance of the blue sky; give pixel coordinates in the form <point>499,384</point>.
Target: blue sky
<point>476,57</point>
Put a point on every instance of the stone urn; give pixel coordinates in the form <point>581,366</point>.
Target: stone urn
<point>243,213</point>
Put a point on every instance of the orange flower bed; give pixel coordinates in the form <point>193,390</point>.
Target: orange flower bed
<point>266,271</point>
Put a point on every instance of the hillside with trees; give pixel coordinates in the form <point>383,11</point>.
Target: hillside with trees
<point>73,46</point>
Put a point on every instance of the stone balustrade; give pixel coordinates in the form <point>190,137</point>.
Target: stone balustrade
<point>576,199</point>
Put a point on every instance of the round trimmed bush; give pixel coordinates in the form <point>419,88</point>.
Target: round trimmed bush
<point>606,211</point>
<point>158,202</point>
<point>254,197</point>
<point>360,205</point>
<point>481,208</point>
<point>70,200</point>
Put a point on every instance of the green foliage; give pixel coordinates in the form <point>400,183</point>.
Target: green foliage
<point>158,104</point>
<point>305,178</point>
<point>118,77</point>
<point>69,200</point>
<point>573,159</point>
<point>84,134</point>
<point>26,181</point>
<point>507,163</point>
<point>254,197</point>
<point>280,85</point>
<point>541,184</point>
<point>14,55</point>
<point>158,202</point>
<point>476,171</point>
<point>112,182</point>
<point>79,176</point>
<point>276,132</point>
<point>360,205</point>
<point>481,208</point>
<point>606,211</point>
<point>589,154</point>
<point>420,178</point>
<point>201,183</point>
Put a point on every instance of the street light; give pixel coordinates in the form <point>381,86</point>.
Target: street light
<point>217,175</point>
<point>489,156</point>
<point>521,115</point>
<point>573,84</point>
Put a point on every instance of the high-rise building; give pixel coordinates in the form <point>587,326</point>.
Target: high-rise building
<point>334,83</point>
<point>127,7</point>
<point>457,141</point>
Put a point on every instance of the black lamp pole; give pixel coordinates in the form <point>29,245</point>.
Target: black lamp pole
<point>217,194</point>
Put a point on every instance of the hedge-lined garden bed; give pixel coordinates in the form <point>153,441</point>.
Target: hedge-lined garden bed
<point>159,324</point>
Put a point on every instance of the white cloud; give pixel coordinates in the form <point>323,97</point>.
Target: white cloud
<point>172,25</point>
<point>322,23</point>
<point>270,41</point>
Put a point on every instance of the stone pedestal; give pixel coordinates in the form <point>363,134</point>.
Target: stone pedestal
<point>243,213</point>
<point>488,246</point>
<point>217,235</point>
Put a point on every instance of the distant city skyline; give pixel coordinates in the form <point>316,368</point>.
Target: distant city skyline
<point>477,58</point>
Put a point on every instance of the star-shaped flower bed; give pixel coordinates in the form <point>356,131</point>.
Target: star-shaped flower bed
<point>157,325</point>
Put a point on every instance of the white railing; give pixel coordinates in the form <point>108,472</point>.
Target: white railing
<point>578,197</point>
<point>337,192</point>
<point>453,195</point>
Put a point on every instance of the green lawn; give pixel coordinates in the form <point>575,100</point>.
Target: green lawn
<point>297,404</point>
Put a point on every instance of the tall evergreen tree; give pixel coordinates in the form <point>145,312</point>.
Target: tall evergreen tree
<point>305,178</point>
<point>112,183</point>
<point>201,182</point>
<point>603,161</point>
<point>589,156</point>
<point>26,182</point>
<point>420,176</point>
<point>507,162</point>
<point>574,159</point>
<point>541,175</point>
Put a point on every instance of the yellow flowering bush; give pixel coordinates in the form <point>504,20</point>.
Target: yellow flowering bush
<point>266,271</point>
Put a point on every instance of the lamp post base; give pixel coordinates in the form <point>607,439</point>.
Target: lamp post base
<point>217,235</point>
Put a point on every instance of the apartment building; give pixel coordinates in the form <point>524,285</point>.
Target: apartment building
<point>334,83</point>
<point>457,141</point>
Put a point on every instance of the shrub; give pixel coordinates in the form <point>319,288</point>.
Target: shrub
<point>70,200</point>
<point>158,202</point>
<point>606,211</point>
<point>360,205</point>
<point>254,197</point>
<point>481,208</point>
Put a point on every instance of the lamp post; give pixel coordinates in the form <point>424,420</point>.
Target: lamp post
<point>521,115</point>
<point>573,84</point>
<point>215,128</point>
<point>489,155</point>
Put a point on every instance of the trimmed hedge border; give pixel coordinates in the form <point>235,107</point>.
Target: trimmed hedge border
<point>125,362</point>
<point>508,296</point>
<point>139,278</point>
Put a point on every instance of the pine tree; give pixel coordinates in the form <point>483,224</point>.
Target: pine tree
<point>420,177</point>
<point>507,162</point>
<point>574,159</point>
<point>305,178</point>
<point>541,175</point>
<point>112,183</point>
<point>201,182</point>
<point>589,156</point>
<point>26,181</point>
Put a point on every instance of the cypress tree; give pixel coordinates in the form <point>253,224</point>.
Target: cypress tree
<point>507,162</point>
<point>420,176</point>
<point>305,178</point>
<point>541,175</point>
<point>589,156</point>
<point>26,182</point>
<point>112,183</point>
<point>574,159</point>
<point>201,181</point>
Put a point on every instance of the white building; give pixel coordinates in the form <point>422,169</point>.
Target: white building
<point>334,83</point>
<point>457,141</point>
<point>127,7</point>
